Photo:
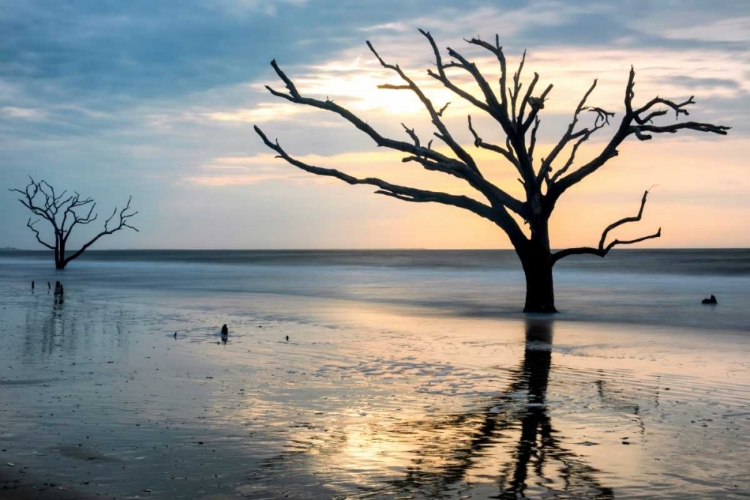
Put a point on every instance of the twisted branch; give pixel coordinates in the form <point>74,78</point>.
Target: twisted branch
<point>634,122</point>
<point>602,250</point>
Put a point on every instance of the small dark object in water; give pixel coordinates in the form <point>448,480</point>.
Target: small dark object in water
<point>49,287</point>
<point>224,330</point>
<point>710,301</point>
<point>32,285</point>
<point>287,338</point>
<point>175,334</point>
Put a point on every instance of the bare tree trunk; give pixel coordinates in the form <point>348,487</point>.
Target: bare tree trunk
<point>59,251</point>
<point>540,293</point>
<point>60,255</point>
<point>536,259</point>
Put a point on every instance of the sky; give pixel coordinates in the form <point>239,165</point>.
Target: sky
<point>158,100</point>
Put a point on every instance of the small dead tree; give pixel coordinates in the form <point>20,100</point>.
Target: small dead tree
<point>544,181</point>
<point>65,213</point>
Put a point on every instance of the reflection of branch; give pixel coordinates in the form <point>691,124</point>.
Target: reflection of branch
<point>620,405</point>
<point>538,442</point>
<point>51,327</point>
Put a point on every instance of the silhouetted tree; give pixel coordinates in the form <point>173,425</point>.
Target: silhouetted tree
<point>65,213</point>
<point>517,113</point>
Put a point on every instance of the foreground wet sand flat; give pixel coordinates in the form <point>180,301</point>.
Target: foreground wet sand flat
<point>97,398</point>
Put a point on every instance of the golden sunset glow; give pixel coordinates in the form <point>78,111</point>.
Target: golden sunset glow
<point>710,168</point>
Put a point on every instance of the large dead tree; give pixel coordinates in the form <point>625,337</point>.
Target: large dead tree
<point>544,181</point>
<point>64,212</point>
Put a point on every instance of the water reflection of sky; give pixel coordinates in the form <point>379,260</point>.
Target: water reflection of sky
<point>361,401</point>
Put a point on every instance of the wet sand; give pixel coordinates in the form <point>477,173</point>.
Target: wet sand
<point>98,399</point>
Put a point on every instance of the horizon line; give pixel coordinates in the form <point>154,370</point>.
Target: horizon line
<point>328,249</point>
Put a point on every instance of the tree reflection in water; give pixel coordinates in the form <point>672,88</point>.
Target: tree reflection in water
<point>506,448</point>
<point>49,329</point>
<point>539,447</point>
<point>66,326</point>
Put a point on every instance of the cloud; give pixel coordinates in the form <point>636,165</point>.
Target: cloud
<point>24,113</point>
<point>397,26</point>
<point>724,30</point>
<point>249,7</point>
<point>703,83</point>
<point>263,112</point>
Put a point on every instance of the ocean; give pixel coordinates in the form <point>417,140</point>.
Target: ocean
<point>656,287</point>
<point>373,375</point>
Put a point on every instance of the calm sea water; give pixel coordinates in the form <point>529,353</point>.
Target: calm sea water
<point>656,287</point>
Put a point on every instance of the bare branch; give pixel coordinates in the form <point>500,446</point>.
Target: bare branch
<point>678,109</point>
<point>443,78</point>
<point>463,167</point>
<point>526,98</point>
<point>536,104</point>
<point>124,222</point>
<point>402,192</point>
<point>639,130</point>
<point>633,123</point>
<point>412,134</point>
<point>30,225</point>
<point>532,143</point>
<point>603,250</point>
<point>390,86</point>
<point>478,142</point>
<point>517,88</point>
<point>444,134</point>
<point>567,137</point>
<point>498,51</point>
<point>602,119</point>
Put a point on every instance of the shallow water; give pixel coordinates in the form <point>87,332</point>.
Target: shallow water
<point>655,287</point>
<point>384,389</point>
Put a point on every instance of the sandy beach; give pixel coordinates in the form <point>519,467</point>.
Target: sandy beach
<point>368,398</point>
